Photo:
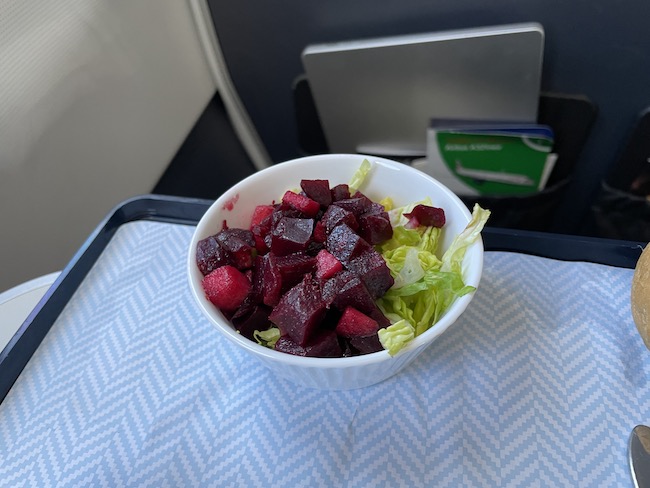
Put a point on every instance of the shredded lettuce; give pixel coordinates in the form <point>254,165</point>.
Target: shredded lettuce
<point>425,285</point>
<point>453,257</point>
<point>387,203</point>
<point>411,270</point>
<point>268,337</point>
<point>396,336</point>
<point>359,176</point>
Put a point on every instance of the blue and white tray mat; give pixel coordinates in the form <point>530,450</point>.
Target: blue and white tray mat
<point>538,384</point>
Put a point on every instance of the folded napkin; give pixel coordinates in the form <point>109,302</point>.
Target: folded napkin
<point>537,384</point>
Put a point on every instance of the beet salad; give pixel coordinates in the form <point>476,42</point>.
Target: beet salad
<point>327,272</point>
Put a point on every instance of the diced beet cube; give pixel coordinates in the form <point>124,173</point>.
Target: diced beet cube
<point>340,192</point>
<point>324,344</point>
<point>317,190</point>
<point>233,239</point>
<point>247,319</point>
<point>327,265</point>
<point>346,289</point>
<point>357,295</point>
<point>375,227</point>
<point>261,213</point>
<point>320,232</point>
<point>281,210</point>
<point>278,213</point>
<point>262,233</point>
<point>355,324</point>
<point>210,255</point>
<point>287,211</point>
<point>299,311</point>
<point>268,240</point>
<point>331,287</point>
<point>239,244</point>
<point>358,205</point>
<point>373,271</point>
<point>427,215</point>
<point>292,268</point>
<point>291,235</point>
<point>260,237</point>
<point>366,345</point>
<point>286,345</point>
<point>226,287</point>
<point>360,194</point>
<point>335,215</point>
<point>302,203</point>
<point>347,349</point>
<point>376,208</point>
<point>257,280</point>
<point>271,281</point>
<point>345,244</point>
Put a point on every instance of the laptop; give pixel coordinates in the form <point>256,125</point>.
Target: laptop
<point>377,96</point>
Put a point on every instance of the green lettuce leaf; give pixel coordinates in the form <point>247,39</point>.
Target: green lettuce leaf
<point>268,337</point>
<point>425,285</point>
<point>396,336</point>
<point>359,176</point>
<point>422,303</point>
<point>452,259</point>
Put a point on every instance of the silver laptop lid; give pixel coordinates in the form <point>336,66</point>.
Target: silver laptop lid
<point>378,95</point>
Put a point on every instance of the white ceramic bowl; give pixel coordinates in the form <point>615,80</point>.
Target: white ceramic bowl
<point>388,178</point>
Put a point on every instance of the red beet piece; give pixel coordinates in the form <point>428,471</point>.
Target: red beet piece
<point>292,268</point>
<point>375,227</point>
<point>358,205</point>
<point>373,271</point>
<point>302,203</point>
<point>256,279</point>
<point>270,281</point>
<point>335,215</point>
<point>251,317</point>
<point>346,289</point>
<point>366,345</point>
<point>318,190</point>
<point>261,229</point>
<point>345,244</point>
<point>331,288</point>
<point>427,215</point>
<point>355,324</point>
<point>226,287</point>
<point>260,235</point>
<point>291,235</point>
<point>320,232</point>
<point>299,311</point>
<point>239,245</point>
<point>340,192</point>
<point>210,255</point>
<point>324,344</point>
<point>376,208</point>
<point>261,213</point>
<point>327,265</point>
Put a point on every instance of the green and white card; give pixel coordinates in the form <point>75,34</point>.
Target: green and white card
<point>490,160</point>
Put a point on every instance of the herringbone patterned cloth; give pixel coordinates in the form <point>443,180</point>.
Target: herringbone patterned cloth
<point>538,384</point>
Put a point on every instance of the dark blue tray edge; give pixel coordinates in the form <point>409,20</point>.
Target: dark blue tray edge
<point>24,343</point>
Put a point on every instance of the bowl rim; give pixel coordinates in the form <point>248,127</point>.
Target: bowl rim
<point>473,276</point>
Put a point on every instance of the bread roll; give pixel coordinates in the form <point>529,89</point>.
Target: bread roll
<point>640,298</point>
